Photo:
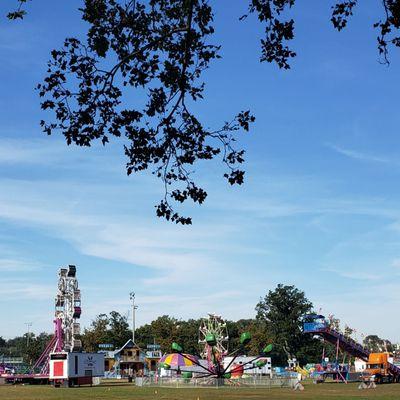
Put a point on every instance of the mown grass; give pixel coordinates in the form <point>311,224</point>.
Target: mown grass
<point>127,391</point>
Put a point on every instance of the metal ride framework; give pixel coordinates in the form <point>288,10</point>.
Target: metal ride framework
<point>213,325</point>
<point>213,336</point>
<point>317,325</point>
<point>67,313</point>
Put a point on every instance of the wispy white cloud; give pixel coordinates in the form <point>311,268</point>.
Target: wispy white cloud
<point>18,265</point>
<point>189,271</point>
<point>174,253</point>
<point>27,152</point>
<point>361,274</point>
<point>55,154</point>
<point>23,289</point>
<point>358,155</point>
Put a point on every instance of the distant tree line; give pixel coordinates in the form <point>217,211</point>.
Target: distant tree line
<point>30,347</point>
<point>278,320</point>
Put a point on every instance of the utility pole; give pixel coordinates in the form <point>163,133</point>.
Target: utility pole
<point>28,325</point>
<point>134,308</point>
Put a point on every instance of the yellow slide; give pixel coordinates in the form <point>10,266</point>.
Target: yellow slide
<point>302,371</point>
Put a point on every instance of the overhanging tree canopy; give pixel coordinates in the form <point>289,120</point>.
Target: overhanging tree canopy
<point>159,49</point>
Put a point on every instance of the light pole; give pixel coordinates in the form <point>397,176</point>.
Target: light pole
<point>134,308</point>
<point>28,325</point>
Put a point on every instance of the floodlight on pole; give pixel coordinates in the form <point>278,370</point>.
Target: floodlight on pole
<point>28,326</point>
<point>134,308</point>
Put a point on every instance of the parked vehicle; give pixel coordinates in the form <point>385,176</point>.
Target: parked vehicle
<point>380,369</point>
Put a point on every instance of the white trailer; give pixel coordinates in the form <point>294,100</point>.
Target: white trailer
<point>70,369</point>
<point>250,365</point>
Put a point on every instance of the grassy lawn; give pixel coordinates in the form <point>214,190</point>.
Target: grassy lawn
<point>127,391</point>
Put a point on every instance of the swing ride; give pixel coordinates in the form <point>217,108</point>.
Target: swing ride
<point>213,338</point>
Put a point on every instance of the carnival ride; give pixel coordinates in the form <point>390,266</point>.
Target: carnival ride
<point>213,325</point>
<point>66,327</point>
<point>318,325</point>
<point>67,313</point>
<point>213,337</point>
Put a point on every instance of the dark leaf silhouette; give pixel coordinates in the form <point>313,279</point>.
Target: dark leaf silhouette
<point>160,50</point>
<point>137,75</point>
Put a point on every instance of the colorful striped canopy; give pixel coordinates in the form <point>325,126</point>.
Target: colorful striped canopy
<point>178,360</point>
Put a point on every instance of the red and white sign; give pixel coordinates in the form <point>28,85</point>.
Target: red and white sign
<point>58,366</point>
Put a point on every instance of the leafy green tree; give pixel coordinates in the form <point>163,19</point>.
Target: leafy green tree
<point>164,331</point>
<point>37,344</point>
<point>96,334</point>
<point>188,335</point>
<point>260,336</point>
<point>144,335</point>
<point>281,312</point>
<point>119,331</point>
<point>375,344</point>
<point>157,50</point>
<point>111,329</point>
<point>17,346</point>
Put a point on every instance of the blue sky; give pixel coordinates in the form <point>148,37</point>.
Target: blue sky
<point>320,208</point>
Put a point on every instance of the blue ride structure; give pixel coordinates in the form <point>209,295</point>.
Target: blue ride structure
<point>318,325</point>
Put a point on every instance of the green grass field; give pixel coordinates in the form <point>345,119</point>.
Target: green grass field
<point>126,391</point>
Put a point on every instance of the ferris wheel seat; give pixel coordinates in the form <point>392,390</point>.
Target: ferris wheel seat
<point>261,363</point>
<point>245,338</point>
<point>211,339</point>
<point>71,270</point>
<point>59,301</point>
<point>268,349</point>
<point>176,347</point>
<point>77,312</point>
<point>77,345</point>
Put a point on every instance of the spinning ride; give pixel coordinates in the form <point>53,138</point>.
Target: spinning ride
<point>213,336</point>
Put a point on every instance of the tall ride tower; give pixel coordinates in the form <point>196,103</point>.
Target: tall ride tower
<point>66,326</point>
<point>68,311</point>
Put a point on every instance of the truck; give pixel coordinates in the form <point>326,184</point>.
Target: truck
<point>380,369</point>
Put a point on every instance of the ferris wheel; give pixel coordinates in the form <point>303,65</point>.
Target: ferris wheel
<point>67,313</point>
<point>68,310</point>
<point>213,326</point>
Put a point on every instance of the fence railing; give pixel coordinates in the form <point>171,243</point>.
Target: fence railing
<point>250,381</point>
